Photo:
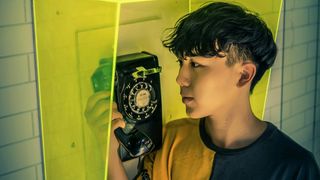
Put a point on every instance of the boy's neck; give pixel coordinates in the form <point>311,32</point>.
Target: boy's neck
<point>234,128</point>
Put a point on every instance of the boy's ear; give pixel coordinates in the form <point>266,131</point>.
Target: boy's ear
<point>247,73</point>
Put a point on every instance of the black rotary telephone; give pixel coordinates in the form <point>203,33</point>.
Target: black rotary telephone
<point>137,93</point>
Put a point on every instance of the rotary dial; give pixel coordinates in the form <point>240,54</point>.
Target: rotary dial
<point>141,99</point>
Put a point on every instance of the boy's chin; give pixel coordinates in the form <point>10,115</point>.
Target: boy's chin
<point>194,115</point>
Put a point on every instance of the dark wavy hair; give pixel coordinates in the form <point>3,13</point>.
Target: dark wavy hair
<point>222,27</point>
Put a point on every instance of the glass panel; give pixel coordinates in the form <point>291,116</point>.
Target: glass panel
<point>142,26</point>
<point>153,18</point>
<point>71,38</point>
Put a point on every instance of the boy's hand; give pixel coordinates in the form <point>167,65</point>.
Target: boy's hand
<point>97,115</point>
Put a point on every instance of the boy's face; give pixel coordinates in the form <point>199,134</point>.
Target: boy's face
<point>207,85</point>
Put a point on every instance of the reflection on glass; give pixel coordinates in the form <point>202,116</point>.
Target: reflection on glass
<point>71,38</point>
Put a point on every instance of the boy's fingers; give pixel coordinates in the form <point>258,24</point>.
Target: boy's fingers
<point>114,106</point>
<point>102,119</point>
<point>100,107</point>
<point>118,123</point>
<point>102,122</point>
<point>116,115</point>
<point>103,128</point>
<point>96,97</point>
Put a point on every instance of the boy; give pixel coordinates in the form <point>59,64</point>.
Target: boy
<point>223,51</point>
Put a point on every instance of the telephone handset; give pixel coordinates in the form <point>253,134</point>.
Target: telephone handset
<point>138,97</point>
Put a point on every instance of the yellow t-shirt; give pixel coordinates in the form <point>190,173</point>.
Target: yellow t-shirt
<point>188,153</point>
<point>183,155</point>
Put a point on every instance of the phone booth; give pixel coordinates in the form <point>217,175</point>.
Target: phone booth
<point>80,43</point>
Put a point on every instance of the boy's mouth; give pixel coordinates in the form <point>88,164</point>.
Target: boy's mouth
<point>187,100</point>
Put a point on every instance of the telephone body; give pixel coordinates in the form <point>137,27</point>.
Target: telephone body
<point>138,97</point>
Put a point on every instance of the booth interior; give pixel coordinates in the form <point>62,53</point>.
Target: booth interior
<point>71,39</point>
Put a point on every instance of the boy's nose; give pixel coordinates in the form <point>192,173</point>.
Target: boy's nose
<point>184,76</point>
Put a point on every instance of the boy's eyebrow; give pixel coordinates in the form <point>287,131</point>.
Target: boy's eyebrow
<point>185,58</point>
<point>182,58</point>
<point>195,60</point>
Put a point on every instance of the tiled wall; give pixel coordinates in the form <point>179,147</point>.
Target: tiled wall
<point>292,93</point>
<point>293,101</point>
<point>20,152</point>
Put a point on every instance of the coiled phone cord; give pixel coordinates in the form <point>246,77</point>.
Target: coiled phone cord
<point>143,173</point>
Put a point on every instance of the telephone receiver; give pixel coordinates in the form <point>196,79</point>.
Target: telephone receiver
<point>133,143</point>
<point>137,93</point>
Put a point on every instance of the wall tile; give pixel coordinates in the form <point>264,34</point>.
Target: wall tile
<point>295,54</point>
<point>275,93</point>
<point>24,174</point>
<point>293,123</point>
<point>294,89</point>
<point>275,114</point>
<point>305,3</point>
<point>15,128</point>
<point>307,144</point>
<point>20,155</point>
<point>305,33</point>
<point>275,78</point>
<point>13,70</point>
<point>40,172</point>
<point>287,74</point>
<point>28,8</point>
<point>297,17</point>
<point>312,50</point>
<point>6,9</point>
<point>311,84</point>
<point>32,72</point>
<point>18,99</point>
<point>309,116</point>
<point>16,40</point>
<point>36,123</point>
<point>286,109</point>
<point>304,69</point>
<point>302,103</point>
<point>303,134</point>
<point>290,4</point>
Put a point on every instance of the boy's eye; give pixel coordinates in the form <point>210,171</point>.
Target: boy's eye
<point>195,65</point>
